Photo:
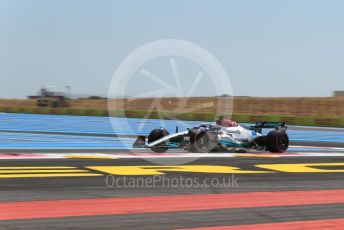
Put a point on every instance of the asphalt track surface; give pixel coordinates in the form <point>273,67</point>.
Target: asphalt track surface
<point>243,192</point>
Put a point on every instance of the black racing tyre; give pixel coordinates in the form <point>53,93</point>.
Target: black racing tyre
<point>277,142</point>
<point>157,134</point>
<point>202,141</point>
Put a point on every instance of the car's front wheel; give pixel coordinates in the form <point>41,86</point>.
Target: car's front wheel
<point>155,135</point>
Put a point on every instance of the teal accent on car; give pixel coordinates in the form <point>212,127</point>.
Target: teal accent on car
<point>232,144</point>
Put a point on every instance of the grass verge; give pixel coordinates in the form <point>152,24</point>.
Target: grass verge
<point>325,121</point>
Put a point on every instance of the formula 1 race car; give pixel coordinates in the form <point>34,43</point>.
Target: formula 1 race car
<point>211,137</point>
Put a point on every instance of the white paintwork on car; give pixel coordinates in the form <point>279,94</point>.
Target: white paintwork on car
<point>238,135</point>
<point>167,138</point>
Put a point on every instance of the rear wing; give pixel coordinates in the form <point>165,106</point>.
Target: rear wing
<point>269,125</point>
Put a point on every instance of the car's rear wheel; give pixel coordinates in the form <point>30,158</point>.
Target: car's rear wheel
<point>155,135</point>
<point>202,142</point>
<point>277,142</point>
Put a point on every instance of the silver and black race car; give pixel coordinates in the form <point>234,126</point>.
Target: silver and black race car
<point>212,137</point>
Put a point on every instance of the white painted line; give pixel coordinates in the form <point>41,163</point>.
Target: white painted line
<point>173,155</point>
<point>316,147</point>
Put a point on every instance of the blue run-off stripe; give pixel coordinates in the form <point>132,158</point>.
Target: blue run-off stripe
<point>103,125</point>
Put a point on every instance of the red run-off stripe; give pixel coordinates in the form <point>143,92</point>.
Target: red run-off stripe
<point>156,204</point>
<point>294,225</point>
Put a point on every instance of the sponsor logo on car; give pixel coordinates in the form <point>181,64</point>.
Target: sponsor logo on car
<point>243,140</point>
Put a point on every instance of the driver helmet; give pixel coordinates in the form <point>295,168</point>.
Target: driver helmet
<point>226,122</point>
